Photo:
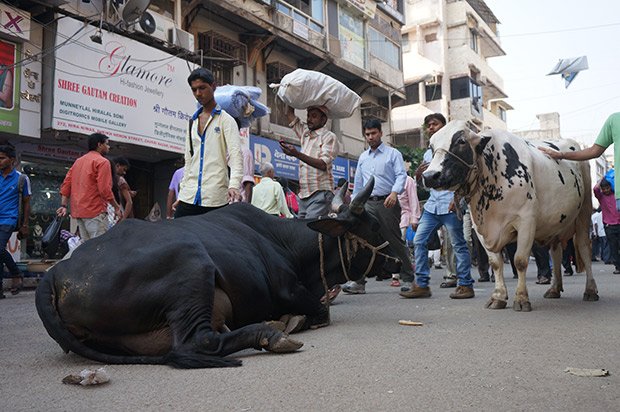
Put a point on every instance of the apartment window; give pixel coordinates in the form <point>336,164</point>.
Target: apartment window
<point>476,98</point>
<point>502,113</point>
<point>473,40</point>
<point>459,88</point>
<point>405,42</point>
<point>412,93</point>
<point>383,48</point>
<point>433,91</point>
<point>307,12</point>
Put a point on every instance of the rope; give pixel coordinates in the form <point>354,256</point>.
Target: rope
<point>323,279</point>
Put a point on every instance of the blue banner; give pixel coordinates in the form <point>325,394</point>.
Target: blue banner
<point>267,150</point>
<point>340,169</point>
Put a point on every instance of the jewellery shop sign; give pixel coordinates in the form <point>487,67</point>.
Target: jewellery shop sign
<point>131,92</point>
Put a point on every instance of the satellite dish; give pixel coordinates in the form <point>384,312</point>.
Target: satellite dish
<point>147,23</point>
<point>134,9</point>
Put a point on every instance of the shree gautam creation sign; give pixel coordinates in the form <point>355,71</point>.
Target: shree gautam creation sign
<point>131,92</point>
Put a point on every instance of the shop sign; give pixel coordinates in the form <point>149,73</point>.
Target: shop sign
<point>340,169</point>
<point>351,36</point>
<point>267,150</point>
<point>10,75</point>
<point>14,22</point>
<point>131,92</point>
<point>65,153</point>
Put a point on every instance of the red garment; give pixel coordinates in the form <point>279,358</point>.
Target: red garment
<point>88,185</point>
<point>291,202</point>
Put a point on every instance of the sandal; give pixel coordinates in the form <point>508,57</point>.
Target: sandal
<point>331,294</point>
<point>16,289</point>
<point>449,283</point>
<point>395,282</point>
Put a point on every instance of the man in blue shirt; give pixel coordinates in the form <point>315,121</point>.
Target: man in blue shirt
<point>439,210</point>
<point>9,212</point>
<point>388,168</point>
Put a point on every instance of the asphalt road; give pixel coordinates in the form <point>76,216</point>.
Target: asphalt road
<point>463,358</point>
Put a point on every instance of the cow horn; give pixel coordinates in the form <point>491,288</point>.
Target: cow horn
<point>357,204</point>
<point>339,198</point>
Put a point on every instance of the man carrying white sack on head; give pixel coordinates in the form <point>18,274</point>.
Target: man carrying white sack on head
<point>319,147</point>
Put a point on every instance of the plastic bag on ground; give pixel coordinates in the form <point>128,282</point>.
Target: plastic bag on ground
<point>301,89</point>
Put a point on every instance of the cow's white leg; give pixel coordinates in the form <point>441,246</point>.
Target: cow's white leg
<point>499,298</point>
<point>556,287</point>
<point>522,258</point>
<point>583,255</point>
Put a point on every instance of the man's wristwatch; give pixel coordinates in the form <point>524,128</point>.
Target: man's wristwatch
<point>65,206</point>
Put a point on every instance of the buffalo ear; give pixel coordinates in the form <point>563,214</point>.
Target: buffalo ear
<point>330,226</point>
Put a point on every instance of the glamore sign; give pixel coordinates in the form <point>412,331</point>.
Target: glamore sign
<point>125,89</point>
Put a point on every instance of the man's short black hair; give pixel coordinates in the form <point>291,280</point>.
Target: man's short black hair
<point>201,74</point>
<point>437,116</point>
<point>372,124</point>
<point>122,161</point>
<point>9,151</point>
<point>94,140</point>
<point>605,184</point>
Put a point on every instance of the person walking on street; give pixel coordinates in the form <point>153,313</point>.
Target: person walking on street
<point>88,185</point>
<point>173,191</point>
<point>213,134</point>
<point>268,194</point>
<point>319,148</point>
<point>14,188</point>
<point>409,215</point>
<point>126,195</point>
<point>439,210</point>
<point>386,165</point>
<point>611,220</point>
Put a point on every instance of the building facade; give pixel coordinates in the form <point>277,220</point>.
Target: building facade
<point>446,47</point>
<point>99,66</point>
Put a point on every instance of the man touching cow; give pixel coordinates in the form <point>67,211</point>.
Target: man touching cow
<point>516,193</point>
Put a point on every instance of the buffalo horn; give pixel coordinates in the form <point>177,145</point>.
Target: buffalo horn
<point>357,204</point>
<point>339,198</point>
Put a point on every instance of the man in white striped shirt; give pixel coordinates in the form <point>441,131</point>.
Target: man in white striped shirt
<point>319,148</point>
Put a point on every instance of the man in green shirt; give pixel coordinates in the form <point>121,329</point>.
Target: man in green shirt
<point>610,133</point>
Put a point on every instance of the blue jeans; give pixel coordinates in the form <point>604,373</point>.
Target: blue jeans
<point>5,257</point>
<point>430,222</point>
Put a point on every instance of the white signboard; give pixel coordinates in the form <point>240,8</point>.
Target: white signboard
<point>131,92</point>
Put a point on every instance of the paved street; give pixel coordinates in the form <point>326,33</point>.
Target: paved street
<point>464,358</point>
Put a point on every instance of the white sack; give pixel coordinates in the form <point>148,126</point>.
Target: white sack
<point>301,89</point>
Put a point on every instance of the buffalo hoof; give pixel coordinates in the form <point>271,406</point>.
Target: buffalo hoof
<point>590,297</point>
<point>277,325</point>
<point>522,306</point>
<point>552,294</point>
<point>495,304</point>
<point>282,344</point>
<point>295,324</point>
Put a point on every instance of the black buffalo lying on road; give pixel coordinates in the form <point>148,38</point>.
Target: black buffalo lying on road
<point>190,291</point>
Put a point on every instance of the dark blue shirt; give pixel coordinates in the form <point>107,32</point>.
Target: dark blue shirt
<point>9,197</point>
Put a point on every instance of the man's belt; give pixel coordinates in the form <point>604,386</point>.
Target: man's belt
<point>377,198</point>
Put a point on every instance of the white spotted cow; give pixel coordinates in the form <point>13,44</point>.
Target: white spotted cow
<point>516,193</point>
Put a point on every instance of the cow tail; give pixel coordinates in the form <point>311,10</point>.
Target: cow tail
<point>45,301</point>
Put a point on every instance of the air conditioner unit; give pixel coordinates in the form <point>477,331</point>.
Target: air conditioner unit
<point>433,80</point>
<point>181,38</point>
<point>155,25</point>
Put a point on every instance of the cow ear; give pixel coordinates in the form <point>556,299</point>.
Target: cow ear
<point>330,226</point>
